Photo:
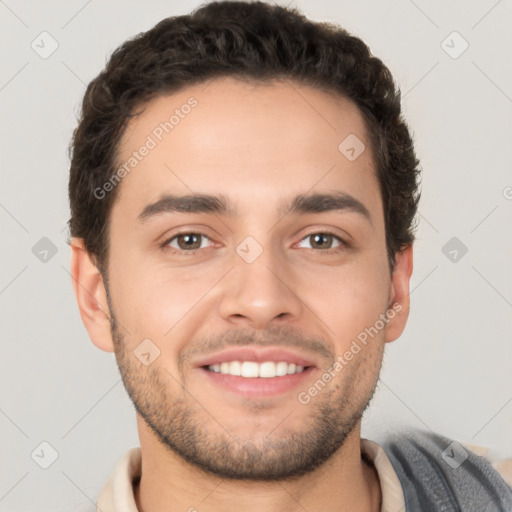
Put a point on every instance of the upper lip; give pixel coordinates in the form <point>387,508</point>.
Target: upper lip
<point>259,355</point>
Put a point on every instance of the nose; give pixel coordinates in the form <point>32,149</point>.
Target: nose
<point>261,292</point>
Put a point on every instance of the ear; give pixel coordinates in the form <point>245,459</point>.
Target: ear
<point>91,296</point>
<point>399,300</point>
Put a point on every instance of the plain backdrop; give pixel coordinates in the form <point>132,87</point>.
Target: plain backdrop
<point>451,369</point>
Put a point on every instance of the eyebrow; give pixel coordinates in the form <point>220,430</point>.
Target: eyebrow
<point>219,204</point>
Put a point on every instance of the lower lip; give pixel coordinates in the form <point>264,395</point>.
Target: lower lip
<point>259,386</point>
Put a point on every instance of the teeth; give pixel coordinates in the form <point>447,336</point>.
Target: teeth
<point>233,368</point>
<point>267,370</point>
<point>252,369</point>
<point>281,369</point>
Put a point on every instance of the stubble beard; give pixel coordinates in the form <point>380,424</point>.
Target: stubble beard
<point>184,426</point>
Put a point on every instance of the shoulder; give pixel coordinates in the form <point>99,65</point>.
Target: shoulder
<point>434,469</point>
<point>502,465</point>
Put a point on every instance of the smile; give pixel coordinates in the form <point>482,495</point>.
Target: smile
<point>253,369</point>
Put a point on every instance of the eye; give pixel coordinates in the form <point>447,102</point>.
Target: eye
<point>189,242</point>
<point>324,241</point>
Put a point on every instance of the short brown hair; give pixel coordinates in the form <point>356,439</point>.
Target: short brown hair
<point>251,41</point>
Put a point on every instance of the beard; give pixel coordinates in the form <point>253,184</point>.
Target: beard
<point>183,424</point>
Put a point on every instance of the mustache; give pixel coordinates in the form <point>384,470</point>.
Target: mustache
<point>275,336</point>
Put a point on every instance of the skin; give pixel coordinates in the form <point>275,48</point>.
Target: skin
<point>258,144</point>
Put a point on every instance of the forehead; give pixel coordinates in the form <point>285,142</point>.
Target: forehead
<point>248,141</point>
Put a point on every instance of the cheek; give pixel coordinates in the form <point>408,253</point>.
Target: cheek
<point>350,302</point>
<point>156,302</point>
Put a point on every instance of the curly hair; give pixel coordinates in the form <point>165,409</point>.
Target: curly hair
<point>255,41</point>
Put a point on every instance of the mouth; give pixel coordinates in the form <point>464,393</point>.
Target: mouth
<point>253,369</point>
<point>257,373</point>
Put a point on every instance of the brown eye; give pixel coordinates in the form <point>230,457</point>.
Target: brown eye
<point>187,241</point>
<point>323,241</point>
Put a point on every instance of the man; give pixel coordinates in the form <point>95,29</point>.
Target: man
<point>243,189</point>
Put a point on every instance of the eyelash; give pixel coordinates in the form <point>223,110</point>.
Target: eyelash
<point>325,252</point>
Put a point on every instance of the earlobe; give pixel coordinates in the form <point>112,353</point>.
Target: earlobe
<point>399,294</point>
<point>91,296</point>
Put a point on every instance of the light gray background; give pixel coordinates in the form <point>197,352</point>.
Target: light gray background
<point>451,369</point>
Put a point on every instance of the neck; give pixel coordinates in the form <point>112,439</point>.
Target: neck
<point>345,483</point>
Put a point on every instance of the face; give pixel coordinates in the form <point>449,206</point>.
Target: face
<point>229,311</point>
